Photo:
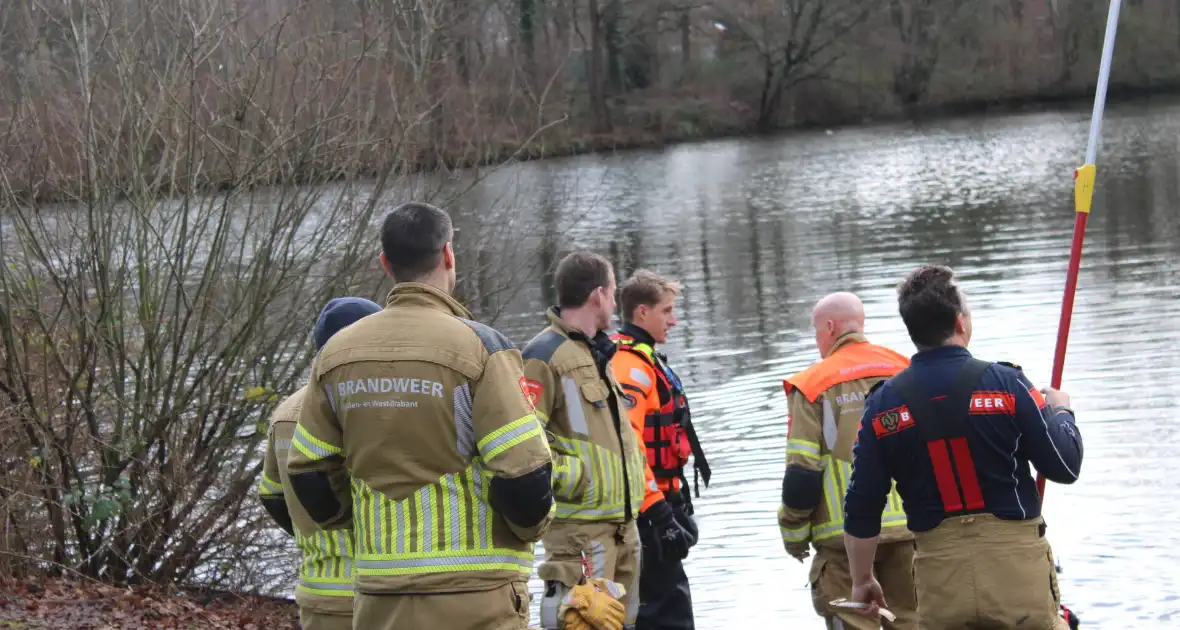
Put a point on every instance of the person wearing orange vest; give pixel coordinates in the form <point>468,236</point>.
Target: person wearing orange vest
<point>824,405</point>
<point>659,413</point>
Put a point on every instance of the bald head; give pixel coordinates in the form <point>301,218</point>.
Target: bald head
<point>835,315</point>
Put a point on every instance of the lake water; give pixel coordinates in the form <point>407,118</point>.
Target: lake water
<point>757,230</point>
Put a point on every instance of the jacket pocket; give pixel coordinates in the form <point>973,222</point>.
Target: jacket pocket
<point>595,392</point>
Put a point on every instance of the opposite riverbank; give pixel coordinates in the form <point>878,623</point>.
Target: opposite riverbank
<point>137,105</point>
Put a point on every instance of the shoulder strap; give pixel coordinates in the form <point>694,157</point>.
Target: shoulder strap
<point>948,416</point>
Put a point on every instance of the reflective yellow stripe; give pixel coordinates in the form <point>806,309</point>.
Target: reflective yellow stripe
<point>604,494</point>
<point>431,533</point>
<point>642,347</point>
<point>311,446</point>
<point>796,534</point>
<point>567,474</point>
<point>635,472</point>
<point>830,530</point>
<point>268,486</point>
<point>837,474</point>
<point>326,587</point>
<point>430,530</point>
<point>447,561</point>
<point>804,448</point>
<point>327,560</point>
<point>507,436</point>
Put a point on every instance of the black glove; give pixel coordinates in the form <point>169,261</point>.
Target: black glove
<point>661,535</point>
<point>683,514</point>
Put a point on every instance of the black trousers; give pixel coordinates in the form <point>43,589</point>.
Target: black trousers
<point>665,602</point>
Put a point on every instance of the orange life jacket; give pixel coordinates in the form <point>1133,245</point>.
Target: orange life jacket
<point>668,434</point>
<point>850,361</point>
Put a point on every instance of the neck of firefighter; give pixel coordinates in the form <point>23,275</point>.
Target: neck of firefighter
<point>442,277</point>
<point>961,334</point>
<point>585,318</point>
<point>834,316</point>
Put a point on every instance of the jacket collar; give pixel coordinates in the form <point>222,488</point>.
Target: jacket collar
<point>424,295</point>
<point>939,353</point>
<point>638,334</point>
<point>600,346</point>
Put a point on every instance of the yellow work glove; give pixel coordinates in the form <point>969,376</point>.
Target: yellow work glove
<point>594,606</point>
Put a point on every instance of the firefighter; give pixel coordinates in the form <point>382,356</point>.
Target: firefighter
<point>659,414</point>
<point>824,403</point>
<point>324,591</point>
<point>416,433</point>
<point>958,434</point>
<point>598,464</point>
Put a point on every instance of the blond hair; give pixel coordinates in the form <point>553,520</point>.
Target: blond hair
<point>644,288</point>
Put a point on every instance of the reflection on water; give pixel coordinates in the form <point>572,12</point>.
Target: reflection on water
<point>759,229</point>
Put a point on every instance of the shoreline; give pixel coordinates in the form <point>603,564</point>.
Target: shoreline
<point>622,140</point>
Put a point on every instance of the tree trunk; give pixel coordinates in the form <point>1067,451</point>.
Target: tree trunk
<point>598,106</point>
<point>614,45</point>
<point>686,43</point>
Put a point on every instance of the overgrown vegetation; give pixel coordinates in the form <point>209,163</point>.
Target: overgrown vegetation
<point>185,182</point>
<point>340,88</point>
<point>145,339</point>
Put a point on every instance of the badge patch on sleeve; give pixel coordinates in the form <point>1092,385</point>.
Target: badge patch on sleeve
<point>892,421</point>
<point>994,403</point>
<point>532,390</point>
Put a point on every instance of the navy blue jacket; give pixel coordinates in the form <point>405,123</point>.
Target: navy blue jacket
<point>1009,426</point>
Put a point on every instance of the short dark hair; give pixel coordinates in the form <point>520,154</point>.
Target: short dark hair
<point>578,275</point>
<point>412,238</point>
<point>929,302</point>
<point>644,288</point>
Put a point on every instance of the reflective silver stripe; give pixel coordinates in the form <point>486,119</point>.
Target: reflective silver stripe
<point>797,534</point>
<point>827,531</point>
<point>451,488</point>
<point>633,590</point>
<point>830,489</point>
<point>301,438</point>
<point>464,431</point>
<point>281,448</point>
<point>641,377</point>
<point>426,527</point>
<point>573,406</point>
<point>481,518</point>
<point>528,424</point>
<point>830,431</point>
<point>401,523</point>
<point>606,464</point>
<point>550,606</point>
<point>445,561</point>
<point>567,510</point>
<point>325,586</point>
<point>378,518</point>
<point>331,398</point>
<point>342,547</point>
<point>597,559</point>
<point>594,494</point>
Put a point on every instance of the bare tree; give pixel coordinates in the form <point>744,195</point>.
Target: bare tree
<point>794,40</point>
<point>919,24</point>
<point>205,156</point>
